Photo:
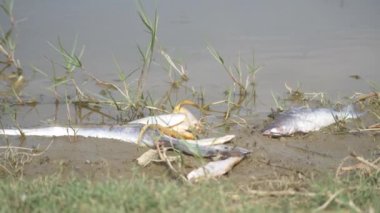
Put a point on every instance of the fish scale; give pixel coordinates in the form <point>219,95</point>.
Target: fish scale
<point>306,120</point>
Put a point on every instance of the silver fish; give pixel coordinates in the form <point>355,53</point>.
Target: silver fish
<point>214,169</point>
<point>131,132</point>
<point>306,120</point>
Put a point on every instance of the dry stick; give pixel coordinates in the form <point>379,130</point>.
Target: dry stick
<point>164,157</point>
<point>29,149</point>
<point>98,111</point>
<point>273,181</point>
<point>28,155</point>
<point>340,167</point>
<point>281,193</point>
<point>375,126</point>
<point>354,207</point>
<point>376,161</point>
<point>16,147</point>
<point>366,96</point>
<point>142,132</point>
<point>364,130</point>
<point>337,173</point>
<point>161,154</point>
<point>173,169</point>
<point>327,203</point>
<point>43,151</point>
<point>361,159</point>
<point>5,169</point>
<point>268,163</point>
<point>350,204</point>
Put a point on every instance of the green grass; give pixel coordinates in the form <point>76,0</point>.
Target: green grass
<point>138,194</point>
<point>357,192</point>
<point>141,194</point>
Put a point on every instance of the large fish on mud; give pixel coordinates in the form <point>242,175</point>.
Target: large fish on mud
<point>304,120</point>
<point>131,133</point>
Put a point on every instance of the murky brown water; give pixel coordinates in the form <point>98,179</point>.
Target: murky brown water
<point>316,45</point>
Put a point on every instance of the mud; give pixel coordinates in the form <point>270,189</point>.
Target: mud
<point>314,154</point>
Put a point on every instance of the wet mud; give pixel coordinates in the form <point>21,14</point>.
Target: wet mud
<point>317,154</point>
<point>314,154</point>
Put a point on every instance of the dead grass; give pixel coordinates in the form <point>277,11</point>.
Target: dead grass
<point>13,159</point>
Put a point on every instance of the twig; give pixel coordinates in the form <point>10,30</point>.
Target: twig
<point>327,203</point>
<point>375,126</point>
<point>5,169</point>
<point>364,164</point>
<point>350,204</point>
<point>376,161</point>
<point>281,193</point>
<point>354,207</point>
<point>337,173</point>
<point>29,149</point>
<point>43,151</point>
<point>16,147</point>
<point>165,158</point>
<point>361,159</point>
<point>364,130</point>
<point>15,160</point>
<point>363,97</point>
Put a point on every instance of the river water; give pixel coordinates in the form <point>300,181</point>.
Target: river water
<point>313,45</point>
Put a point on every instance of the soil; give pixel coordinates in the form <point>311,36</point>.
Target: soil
<point>317,153</point>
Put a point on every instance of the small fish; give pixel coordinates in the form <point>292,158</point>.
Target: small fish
<point>214,169</point>
<point>306,120</point>
<point>131,133</point>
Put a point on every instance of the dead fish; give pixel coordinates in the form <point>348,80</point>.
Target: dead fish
<point>214,169</point>
<point>166,120</point>
<point>131,133</point>
<point>179,122</point>
<point>306,120</point>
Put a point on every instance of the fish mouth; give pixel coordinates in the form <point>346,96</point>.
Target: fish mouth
<point>266,132</point>
<point>270,133</point>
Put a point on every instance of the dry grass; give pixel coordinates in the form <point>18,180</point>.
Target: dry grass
<point>13,159</point>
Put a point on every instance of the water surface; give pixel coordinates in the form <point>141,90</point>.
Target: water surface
<point>314,44</point>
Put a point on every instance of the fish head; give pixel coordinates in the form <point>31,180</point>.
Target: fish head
<point>277,131</point>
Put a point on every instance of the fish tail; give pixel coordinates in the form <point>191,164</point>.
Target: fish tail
<point>15,132</point>
<point>350,112</point>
